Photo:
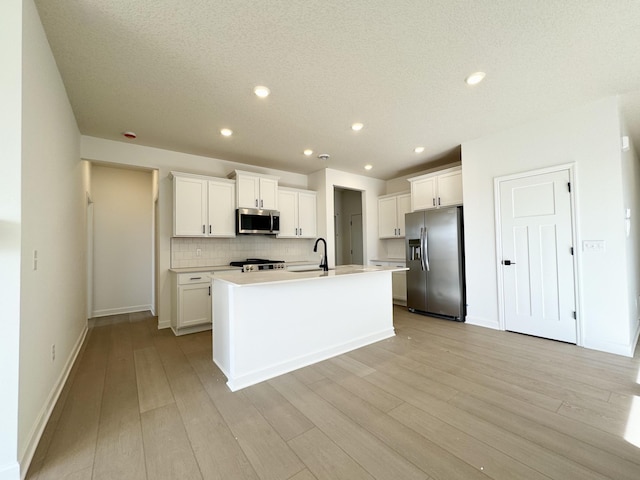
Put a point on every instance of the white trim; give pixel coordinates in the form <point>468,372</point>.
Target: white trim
<point>120,310</point>
<point>611,347</point>
<point>483,322</point>
<point>571,168</point>
<point>10,471</point>
<point>38,428</point>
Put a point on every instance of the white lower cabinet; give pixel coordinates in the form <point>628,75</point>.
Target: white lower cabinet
<point>191,302</point>
<point>399,279</point>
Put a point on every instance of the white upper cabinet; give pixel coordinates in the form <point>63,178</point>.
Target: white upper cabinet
<point>203,206</point>
<point>450,189</point>
<point>391,211</point>
<point>189,206</point>
<point>256,191</point>
<point>297,213</point>
<point>435,190</point>
<point>222,208</point>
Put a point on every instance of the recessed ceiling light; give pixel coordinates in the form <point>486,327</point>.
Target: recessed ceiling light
<point>261,91</point>
<point>418,149</point>
<point>368,167</point>
<point>226,132</point>
<point>129,135</point>
<point>475,78</point>
<point>356,127</point>
<point>308,152</point>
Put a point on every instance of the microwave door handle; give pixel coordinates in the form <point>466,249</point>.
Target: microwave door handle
<point>271,220</point>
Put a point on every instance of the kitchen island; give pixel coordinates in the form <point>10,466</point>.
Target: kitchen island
<point>271,322</point>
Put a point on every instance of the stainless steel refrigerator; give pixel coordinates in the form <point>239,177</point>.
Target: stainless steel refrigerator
<point>435,258</point>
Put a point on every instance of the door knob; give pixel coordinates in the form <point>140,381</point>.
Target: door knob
<point>508,262</point>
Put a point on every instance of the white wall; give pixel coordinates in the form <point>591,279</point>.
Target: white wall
<point>590,138</point>
<point>123,240</point>
<point>10,219</point>
<point>324,182</point>
<point>631,198</point>
<point>127,153</point>
<point>52,298</point>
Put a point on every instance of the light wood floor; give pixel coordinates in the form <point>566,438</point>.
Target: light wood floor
<point>441,400</point>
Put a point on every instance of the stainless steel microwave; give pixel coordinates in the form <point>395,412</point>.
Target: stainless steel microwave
<point>257,221</point>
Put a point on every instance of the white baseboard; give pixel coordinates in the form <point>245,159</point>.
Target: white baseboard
<point>47,409</point>
<point>10,471</point>
<point>483,322</point>
<point>163,324</point>
<point>610,347</point>
<point>119,311</point>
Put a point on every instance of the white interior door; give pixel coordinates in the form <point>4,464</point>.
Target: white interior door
<point>537,262</point>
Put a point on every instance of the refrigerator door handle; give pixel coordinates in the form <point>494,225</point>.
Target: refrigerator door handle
<point>425,249</point>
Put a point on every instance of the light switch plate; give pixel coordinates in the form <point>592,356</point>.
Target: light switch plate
<point>593,246</point>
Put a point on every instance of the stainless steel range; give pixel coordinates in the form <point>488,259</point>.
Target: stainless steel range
<point>257,264</point>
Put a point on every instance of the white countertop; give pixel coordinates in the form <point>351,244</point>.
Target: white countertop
<point>210,268</point>
<point>264,277</point>
<point>229,268</point>
<point>388,259</point>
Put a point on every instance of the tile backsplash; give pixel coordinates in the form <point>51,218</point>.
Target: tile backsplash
<point>221,251</point>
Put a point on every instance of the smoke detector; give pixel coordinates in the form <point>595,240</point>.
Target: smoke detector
<point>323,156</point>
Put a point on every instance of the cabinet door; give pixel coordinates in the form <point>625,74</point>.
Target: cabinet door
<point>268,194</point>
<point>222,201</point>
<point>399,286</point>
<point>403,205</point>
<point>423,194</point>
<point>288,214</point>
<point>450,189</point>
<point>189,207</point>
<point>194,304</point>
<point>248,191</point>
<point>307,223</point>
<point>387,213</point>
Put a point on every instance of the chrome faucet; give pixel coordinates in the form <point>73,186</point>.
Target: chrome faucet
<point>323,263</point>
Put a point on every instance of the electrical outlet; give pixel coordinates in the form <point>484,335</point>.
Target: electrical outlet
<point>198,252</point>
<point>53,352</point>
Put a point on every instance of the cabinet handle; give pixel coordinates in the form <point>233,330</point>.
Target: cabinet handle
<point>203,229</point>
<point>195,278</point>
<point>300,231</point>
<point>438,200</point>
<point>261,203</point>
<point>209,290</point>
<point>434,202</point>
<point>398,232</point>
<point>256,203</point>
<point>209,229</point>
<point>296,231</point>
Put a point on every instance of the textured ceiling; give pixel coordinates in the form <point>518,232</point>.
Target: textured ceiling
<point>176,71</point>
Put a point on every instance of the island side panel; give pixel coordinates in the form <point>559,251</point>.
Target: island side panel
<point>221,308</point>
<point>277,328</point>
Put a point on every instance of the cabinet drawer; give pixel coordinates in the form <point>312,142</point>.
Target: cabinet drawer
<point>190,278</point>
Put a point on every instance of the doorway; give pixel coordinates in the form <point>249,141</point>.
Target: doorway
<point>122,275</point>
<point>348,226</point>
<point>535,250</point>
